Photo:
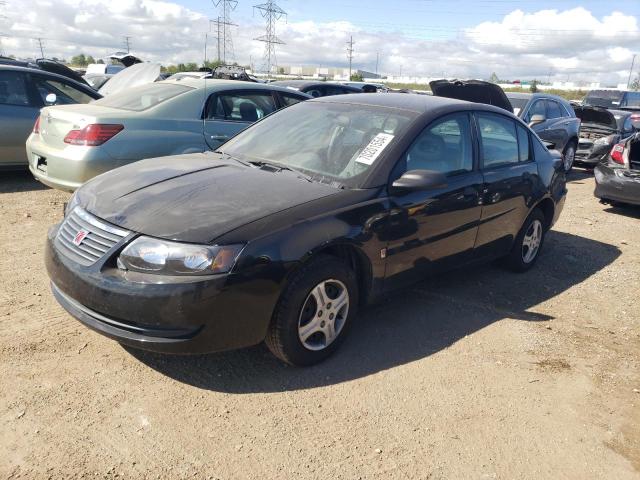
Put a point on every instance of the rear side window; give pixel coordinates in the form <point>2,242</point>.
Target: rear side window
<point>524,148</point>
<point>553,110</point>
<point>498,139</point>
<point>144,97</point>
<point>241,107</point>
<point>65,93</point>
<point>13,89</point>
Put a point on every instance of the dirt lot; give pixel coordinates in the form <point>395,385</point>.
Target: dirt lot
<point>476,374</point>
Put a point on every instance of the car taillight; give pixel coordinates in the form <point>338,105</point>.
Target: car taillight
<point>36,126</point>
<point>93,135</point>
<point>617,153</point>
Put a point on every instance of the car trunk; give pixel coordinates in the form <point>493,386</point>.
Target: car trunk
<point>476,91</point>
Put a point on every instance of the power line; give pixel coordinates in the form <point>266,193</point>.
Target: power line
<point>272,13</point>
<point>127,43</point>
<point>350,53</point>
<point>41,45</point>
<point>225,42</point>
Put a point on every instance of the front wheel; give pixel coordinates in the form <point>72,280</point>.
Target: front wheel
<point>528,242</point>
<point>314,312</point>
<point>569,157</point>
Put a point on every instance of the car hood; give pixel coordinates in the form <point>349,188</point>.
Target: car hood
<point>125,58</point>
<point>194,198</point>
<point>596,115</point>
<point>137,74</point>
<point>476,91</point>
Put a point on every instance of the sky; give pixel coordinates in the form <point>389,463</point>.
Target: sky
<point>561,40</point>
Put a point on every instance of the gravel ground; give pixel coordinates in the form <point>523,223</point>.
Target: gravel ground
<point>475,374</point>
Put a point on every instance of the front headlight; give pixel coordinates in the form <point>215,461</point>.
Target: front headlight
<point>602,141</point>
<point>152,255</point>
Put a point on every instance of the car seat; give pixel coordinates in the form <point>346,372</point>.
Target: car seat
<point>248,112</point>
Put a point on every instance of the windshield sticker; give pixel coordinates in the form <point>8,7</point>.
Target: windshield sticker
<point>376,146</point>
<point>516,111</point>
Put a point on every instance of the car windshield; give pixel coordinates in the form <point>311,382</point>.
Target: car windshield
<point>143,97</point>
<point>517,103</point>
<point>604,98</point>
<point>330,142</point>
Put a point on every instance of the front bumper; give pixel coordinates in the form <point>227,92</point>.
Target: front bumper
<point>158,313</point>
<point>617,184</point>
<point>591,155</point>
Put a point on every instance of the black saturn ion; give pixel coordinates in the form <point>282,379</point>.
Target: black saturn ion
<point>292,225</point>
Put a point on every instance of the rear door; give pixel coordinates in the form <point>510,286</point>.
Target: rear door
<point>509,176</point>
<point>227,113</point>
<point>428,229</point>
<point>19,107</point>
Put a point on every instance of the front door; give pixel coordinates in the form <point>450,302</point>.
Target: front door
<point>427,229</point>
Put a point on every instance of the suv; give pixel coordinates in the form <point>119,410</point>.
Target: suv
<point>616,99</point>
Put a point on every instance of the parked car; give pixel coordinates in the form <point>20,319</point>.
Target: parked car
<point>618,179</point>
<point>288,228</point>
<point>72,144</point>
<point>552,118</point>
<point>600,130</point>
<point>317,89</point>
<point>23,92</point>
<point>368,87</point>
<point>48,65</point>
<point>615,99</point>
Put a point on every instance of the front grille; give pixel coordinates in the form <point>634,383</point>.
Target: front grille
<point>85,239</point>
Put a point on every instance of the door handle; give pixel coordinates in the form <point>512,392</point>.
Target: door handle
<point>219,137</point>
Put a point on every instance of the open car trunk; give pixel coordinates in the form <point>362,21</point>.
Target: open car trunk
<point>477,91</point>
<point>138,74</point>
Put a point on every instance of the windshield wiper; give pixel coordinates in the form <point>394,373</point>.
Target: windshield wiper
<point>262,163</point>
<point>241,162</point>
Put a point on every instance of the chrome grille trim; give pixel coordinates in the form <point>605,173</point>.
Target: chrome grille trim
<point>101,237</point>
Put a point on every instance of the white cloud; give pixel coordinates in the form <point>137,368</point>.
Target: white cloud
<point>548,43</point>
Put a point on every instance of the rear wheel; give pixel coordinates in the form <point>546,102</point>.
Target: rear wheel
<point>528,243</point>
<point>314,312</point>
<point>569,156</point>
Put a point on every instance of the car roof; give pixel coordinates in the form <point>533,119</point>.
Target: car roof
<point>406,101</point>
<point>39,71</point>
<point>297,83</point>
<point>214,84</point>
<point>535,95</point>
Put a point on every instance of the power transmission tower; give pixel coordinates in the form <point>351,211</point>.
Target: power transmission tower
<point>272,13</point>
<point>350,53</point>
<point>127,43</point>
<point>41,45</point>
<point>225,42</point>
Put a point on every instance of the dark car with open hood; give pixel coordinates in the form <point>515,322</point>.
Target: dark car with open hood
<point>282,233</point>
<point>618,178</point>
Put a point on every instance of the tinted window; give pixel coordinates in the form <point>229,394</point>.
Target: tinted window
<point>332,90</point>
<point>65,93</point>
<point>444,146</point>
<point>498,139</point>
<point>631,99</point>
<point>13,89</point>
<point>523,144</point>
<point>242,107</point>
<point>538,108</point>
<point>143,97</point>
<point>290,99</point>
<point>553,110</point>
<point>604,98</point>
<point>315,92</point>
<point>627,126</point>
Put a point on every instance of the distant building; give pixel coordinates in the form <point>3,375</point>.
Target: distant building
<point>328,73</point>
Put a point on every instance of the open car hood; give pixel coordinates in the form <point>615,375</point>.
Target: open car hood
<point>138,74</point>
<point>596,115</point>
<point>476,91</point>
<point>125,58</point>
<point>56,67</point>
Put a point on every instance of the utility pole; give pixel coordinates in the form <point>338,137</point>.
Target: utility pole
<point>127,43</point>
<point>40,44</point>
<point>377,61</point>
<point>350,53</point>
<point>223,22</point>
<point>633,61</point>
<point>272,13</point>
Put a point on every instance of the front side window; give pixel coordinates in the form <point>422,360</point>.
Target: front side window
<point>13,89</point>
<point>444,146</point>
<point>241,107</point>
<point>553,110</point>
<point>538,108</point>
<point>328,141</point>
<point>498,139</point>
<point>65,93</point>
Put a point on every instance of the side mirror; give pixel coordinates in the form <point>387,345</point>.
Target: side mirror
<point>51,99</point>
<point>536,119</point>
<point>549,145</point>
<point>418,180</point>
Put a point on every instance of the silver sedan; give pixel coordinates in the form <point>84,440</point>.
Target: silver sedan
<point>73,143</point>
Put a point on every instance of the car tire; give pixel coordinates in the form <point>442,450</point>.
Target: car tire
<point>569,156</point>
<point>528,243</point>
<point>301,332</point>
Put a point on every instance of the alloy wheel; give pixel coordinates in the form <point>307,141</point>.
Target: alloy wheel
<point>569,157</point>
<point>323,314</point>
<point>531,241</point>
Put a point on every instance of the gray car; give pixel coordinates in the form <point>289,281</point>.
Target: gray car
<point>23,92</point>
<point>74,143</point>
<point>552,118</point>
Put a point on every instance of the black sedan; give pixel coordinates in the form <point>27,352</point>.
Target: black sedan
<point>318,89</point>
<point>291,226</point>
